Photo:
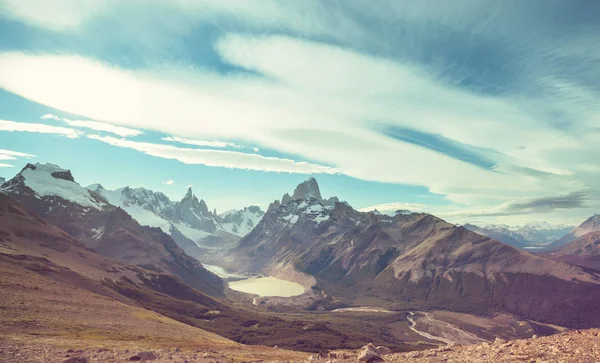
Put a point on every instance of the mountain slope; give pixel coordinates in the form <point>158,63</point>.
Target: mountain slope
<point>509,238</point>
<point>55,196</point>
<point>583,251</point>
<point>591,224</point>
<point>415,261</point>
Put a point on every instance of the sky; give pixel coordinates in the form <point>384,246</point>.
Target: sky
<point>475,111</point>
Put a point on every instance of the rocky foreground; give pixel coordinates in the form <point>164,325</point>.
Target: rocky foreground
<point>578,346</point>
<point>573,346</point>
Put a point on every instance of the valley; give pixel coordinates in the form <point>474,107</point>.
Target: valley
<point>312,275</point>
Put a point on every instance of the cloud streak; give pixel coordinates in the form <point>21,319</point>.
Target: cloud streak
<point>13,126</point>
<point>204,143</point>
<point>95,125</point>
<point>483,103</point>
<point>219,158</point>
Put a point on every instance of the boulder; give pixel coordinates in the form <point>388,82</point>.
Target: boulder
<point>369,354</point>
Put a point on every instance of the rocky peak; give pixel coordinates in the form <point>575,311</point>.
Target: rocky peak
<point>307,189</point>
<point>286,198</point>
<point>195,213</point>
<point>2,180</point>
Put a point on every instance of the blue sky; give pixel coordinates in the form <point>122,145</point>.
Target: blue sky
<point>479,111</point>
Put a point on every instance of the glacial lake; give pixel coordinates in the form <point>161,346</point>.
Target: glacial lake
<point>267,286</point>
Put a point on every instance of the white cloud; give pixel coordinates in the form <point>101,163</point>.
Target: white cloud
<point>214,143</point>
<point>57,15</point>
<point>13,126</point>
<point>322,113</point>
<point>95,125</point>
<point>169,182</point>
<point>12,155</point>
<point>227,159</point>
<point>50,116</point>
<point>15,153</point>
<point>328,104</point>
<point>102,126</point>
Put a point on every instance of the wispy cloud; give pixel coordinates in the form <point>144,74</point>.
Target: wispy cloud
<point>479,105</point>
<point>12,155</point>
<point>13,126</point>
<point>214,143</point>
<point>169,182</point>
<point>50,116</point>
<point>222,158</point>
<point>15,153</point>
<point>95,125</point>
<point>102,126</point>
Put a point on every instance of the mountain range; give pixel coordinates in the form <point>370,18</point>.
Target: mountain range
<point>138,248</point>
<point>51,193</point>
<point>534,234</point>
<point>60,241</point>
<point>411,261</point>
<point>189,221</point>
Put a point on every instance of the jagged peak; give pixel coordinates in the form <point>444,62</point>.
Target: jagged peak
<point>307,189</point>
<point>286,198</point>
<point>189,193</point>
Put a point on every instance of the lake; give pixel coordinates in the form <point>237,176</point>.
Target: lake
<point>267,286</point>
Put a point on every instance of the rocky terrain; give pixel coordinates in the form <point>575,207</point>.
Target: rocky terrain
<point>581,346</point>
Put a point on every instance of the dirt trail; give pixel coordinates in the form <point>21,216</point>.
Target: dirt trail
<point>412,323</point>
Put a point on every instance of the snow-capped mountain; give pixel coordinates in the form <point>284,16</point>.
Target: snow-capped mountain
<point>189,222</point>
<point>2,180</point>
<point>52,183</point>
<point>51,193</point>
<point>241,222</point>
<point>530,234</point>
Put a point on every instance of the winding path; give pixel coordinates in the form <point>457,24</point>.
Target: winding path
<point>412,324</point>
